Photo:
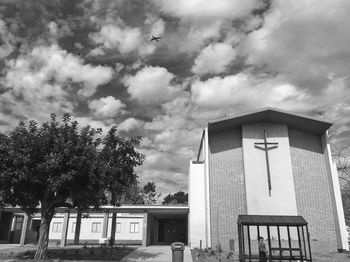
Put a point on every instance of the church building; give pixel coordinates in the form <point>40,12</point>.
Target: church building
<point>265,162</point>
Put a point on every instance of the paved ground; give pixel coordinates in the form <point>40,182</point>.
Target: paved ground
<point>141,254</point>
<point>164,254</point>
<point>156,254</point>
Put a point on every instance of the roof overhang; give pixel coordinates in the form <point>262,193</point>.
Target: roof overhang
<point>272,115</point>
<point>151,209</point>
<point>263,220</point>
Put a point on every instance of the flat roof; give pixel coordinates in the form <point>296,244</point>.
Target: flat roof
<point>272,115</point>
<point>263,220</point>
<point>151,209</point>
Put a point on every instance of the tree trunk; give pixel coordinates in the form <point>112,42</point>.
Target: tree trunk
<point>46,217</point>
<point>77,228</point>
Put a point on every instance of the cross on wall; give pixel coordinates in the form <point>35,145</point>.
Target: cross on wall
<point>265,147</point>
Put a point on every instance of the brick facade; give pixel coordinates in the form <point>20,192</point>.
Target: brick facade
<point>227,189</point>
<point>311,180</point>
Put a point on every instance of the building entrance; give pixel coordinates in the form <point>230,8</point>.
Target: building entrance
<point>166,229</point>
<point>172,230</point>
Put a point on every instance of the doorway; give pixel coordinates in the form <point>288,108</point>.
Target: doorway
<point>172,230</point>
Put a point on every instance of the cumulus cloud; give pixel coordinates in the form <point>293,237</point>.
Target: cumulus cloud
<point>151,84</point>
<point>112,36</point>
<point>7,40</point>
<point>130,124</point>
<point>303,40</point>
<point>245,90</point>
<point>230,9</point>
<point>47,64</point>
<point>106,107</point>
<point>214,59</point>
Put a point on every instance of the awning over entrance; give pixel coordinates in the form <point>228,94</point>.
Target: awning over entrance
<point>271,220</point>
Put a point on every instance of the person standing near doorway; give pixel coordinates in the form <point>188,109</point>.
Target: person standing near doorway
<point>262,250</point>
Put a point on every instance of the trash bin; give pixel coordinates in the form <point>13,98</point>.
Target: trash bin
<point>178,251</point>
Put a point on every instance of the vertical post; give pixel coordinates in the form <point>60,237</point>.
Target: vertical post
<point>243,244</point>
<point>302,231</point>
<point>269,242</point>
<point>289,243</point>
<point>239,240</point>
<point>144,230</point>
<point>24,230</point>
<point>299,242</point>
<point>308,241</point>
<point>65,229</point>
<point>249,245</point>
<point>114,223</point>
<point>105,224</point>
<point>279,241</point>
<point>77,228</point>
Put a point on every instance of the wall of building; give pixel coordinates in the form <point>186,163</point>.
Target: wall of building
<point>196,201</point>
<point>314,199</point>
<point>260,200</point>
<point>227,186</point>
<point>91,227</point>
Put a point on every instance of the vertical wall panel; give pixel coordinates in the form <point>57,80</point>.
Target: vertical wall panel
<point>312,187</point>
<point>227,189</point>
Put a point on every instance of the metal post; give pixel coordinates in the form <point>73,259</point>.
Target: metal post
<point>299,241</point>
<point>243,246</point>
<point>308,241</point>
<point>239,240</point>
<point>249,245</point>
<point>302,229</point>
<point>269,241</point>
<point>279,241</point>
<point>289,243</point>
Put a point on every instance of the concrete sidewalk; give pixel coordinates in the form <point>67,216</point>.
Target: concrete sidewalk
<point>156,254</point>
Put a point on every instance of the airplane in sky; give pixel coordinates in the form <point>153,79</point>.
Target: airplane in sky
<point>155,38</point>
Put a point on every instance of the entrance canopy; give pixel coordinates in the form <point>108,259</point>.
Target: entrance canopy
<point>286,237</point>
<point>271,220</point>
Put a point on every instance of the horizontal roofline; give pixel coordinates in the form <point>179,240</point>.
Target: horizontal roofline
<point>272,115</point>
<point>119,209</point>
<point>251,112</point>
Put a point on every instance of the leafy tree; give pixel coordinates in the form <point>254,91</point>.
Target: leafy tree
<point>57,165</point>
<point>176,198</point>
<point>346,203</point>
<point>149,194</point>
<point>341,156</point>
<point>133,195</point>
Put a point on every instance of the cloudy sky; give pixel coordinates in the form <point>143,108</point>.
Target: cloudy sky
<point>95,60</point>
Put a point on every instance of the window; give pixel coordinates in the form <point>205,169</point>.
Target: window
<point>96,228</point>
<point>74,224</point>
<point>57,227</point>
<point>18,223</point>
<point>119,227</point>
<point>134,227</point>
